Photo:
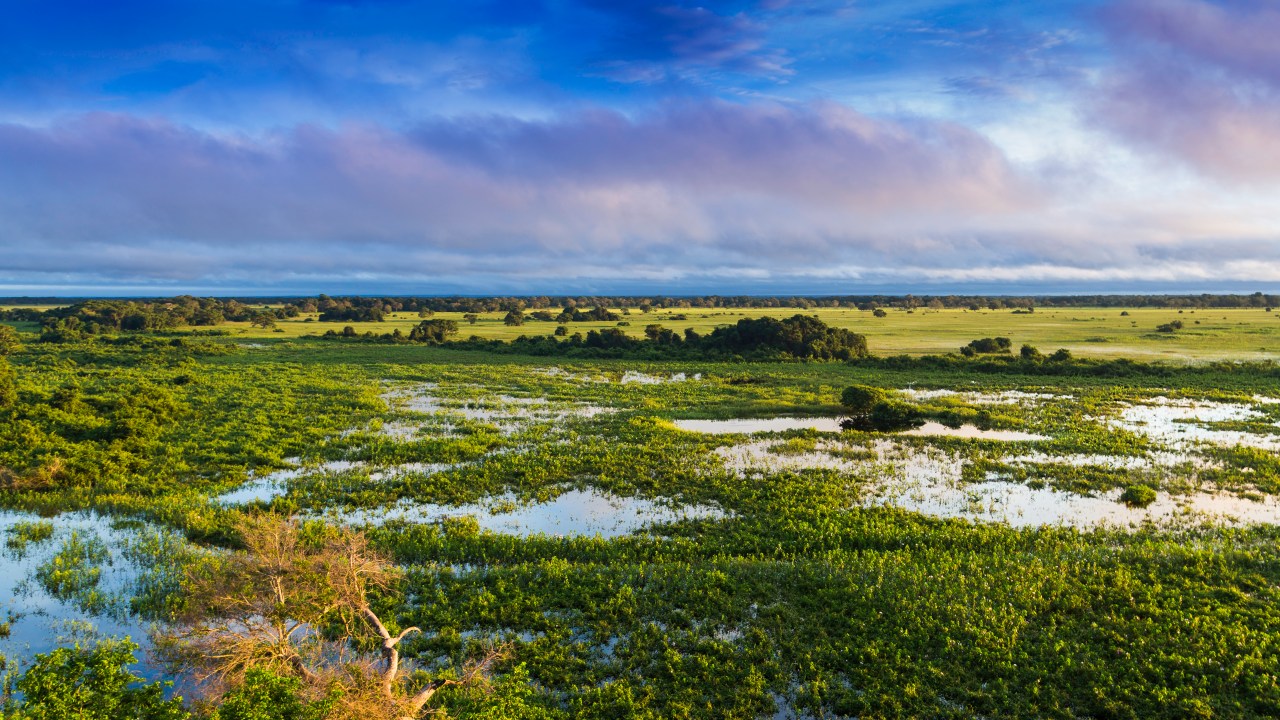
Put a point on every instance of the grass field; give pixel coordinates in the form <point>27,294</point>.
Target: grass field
<point>1230,334</point>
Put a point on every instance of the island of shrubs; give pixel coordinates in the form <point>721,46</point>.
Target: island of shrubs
<point>800,337</point>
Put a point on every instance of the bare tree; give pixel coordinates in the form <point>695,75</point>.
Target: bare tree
<point>300,606</point>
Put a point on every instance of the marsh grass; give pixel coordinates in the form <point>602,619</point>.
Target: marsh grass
<point>798,596</point>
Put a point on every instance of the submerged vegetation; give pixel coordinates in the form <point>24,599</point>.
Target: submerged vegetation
<point>1009,535</point>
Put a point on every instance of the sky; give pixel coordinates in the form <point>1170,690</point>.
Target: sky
<point>615,146</point>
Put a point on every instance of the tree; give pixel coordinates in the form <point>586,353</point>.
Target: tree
<point>658,334</point>
<point>987,346</point>
<point>9,341</point>
<point>78,683</point>
<point>263,320</point>
<point>471,318</point>
<point>433,332</point>
<point>872,408</point>
<point>859,399</point>
<point>514,317</point>
<point>296,603</point>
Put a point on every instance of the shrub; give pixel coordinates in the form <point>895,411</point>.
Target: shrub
<point>91,684</point>
<point>872,408</point>
<point>1138,495</point>
<point>987,346</point>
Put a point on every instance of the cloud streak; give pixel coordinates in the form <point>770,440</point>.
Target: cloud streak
<point>690,183</point>
<point>1199,82</point>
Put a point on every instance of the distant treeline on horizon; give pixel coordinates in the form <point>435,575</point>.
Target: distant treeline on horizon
<point>504,303</point>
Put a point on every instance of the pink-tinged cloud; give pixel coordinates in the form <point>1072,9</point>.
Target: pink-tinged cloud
<point>1198,81</point>
<point>758,185</point>
<point>823,155</point>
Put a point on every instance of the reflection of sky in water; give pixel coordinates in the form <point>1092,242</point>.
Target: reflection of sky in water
<point>929,481</point>
<point>755,425</point>
<point>747,426</point>
<point>1179,423</point>
<point>574,512</point>
<point>271,486</point>
<point>508,413</point>
<point>1003,397</point>
<point>1023,506</point>
<point>972,432</point>
<point>42,622</point>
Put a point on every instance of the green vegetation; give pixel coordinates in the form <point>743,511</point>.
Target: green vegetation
<point>74,571</point>
<point>795,338</point>
<point>1226,327</point>
<point>264,695</point>
<point>1138,495</point>
<point>870,408</point>
<point>91,683</point>
<point>21,535</point>
<point>795,589</point>
<point>987,346</point>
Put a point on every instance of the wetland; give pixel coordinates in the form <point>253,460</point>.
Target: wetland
<point>678,538</point>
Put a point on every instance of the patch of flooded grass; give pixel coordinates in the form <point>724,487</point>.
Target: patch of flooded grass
<point>22,535</point>
<point>89,575</point>
<point>572,512</point>
<point>644,570</point>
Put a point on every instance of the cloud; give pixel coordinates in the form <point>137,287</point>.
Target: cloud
<point>703,194</point>
<point>822,155</point>
<point>1197,81</point>
<point>706,184</point>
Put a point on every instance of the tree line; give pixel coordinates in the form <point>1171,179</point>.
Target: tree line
<point>801,337</point>
<point>163,313</point>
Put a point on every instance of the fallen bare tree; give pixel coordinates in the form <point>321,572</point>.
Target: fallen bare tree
<point>299,606</point>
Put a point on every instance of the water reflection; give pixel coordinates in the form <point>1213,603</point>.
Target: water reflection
<point>748,426</point>
<point>1181,423</point>
<point>573,512</point>
<point>931,480</point>
<point>972,432</point>
<point>39,621</point>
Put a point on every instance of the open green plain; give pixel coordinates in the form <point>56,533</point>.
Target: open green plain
<point>793,589</point>
<point>1208,334</point>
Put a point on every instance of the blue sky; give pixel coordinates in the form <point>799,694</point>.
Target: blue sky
<point>586,145</point>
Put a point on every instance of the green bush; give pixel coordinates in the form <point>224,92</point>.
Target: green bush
<point>90,684</point>
<point>267,696</point>
<point>1138,496</point>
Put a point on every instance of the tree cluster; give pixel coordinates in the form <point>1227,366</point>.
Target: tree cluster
<point>987,346</point>
<point>92,317</point>
<point>800,337</point>
<point>870,408</point>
